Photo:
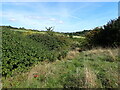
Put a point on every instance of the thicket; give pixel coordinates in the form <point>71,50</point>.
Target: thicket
<point>51,42</point>
<point>105,36</point>
<point>21,51</point>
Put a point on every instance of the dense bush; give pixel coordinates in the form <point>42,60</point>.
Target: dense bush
<point>51,42</point>
<point>108,35</point>
<point>79,43</point>
<point>20,51</point>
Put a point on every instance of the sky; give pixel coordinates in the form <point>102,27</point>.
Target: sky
<point>59,1</point>
<point>63,16</point>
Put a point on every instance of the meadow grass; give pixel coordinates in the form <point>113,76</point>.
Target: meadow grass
<point>96,68</point>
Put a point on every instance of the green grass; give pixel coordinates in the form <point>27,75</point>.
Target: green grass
<point>96,68</point>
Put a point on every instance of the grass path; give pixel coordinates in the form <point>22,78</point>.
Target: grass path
<point>90,77</point>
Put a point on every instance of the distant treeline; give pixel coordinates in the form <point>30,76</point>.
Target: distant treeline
<point>21,28</point>
<point>77,33</point>
<point>68,33</point>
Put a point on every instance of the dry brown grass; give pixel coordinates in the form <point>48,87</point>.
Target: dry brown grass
<point>90,78</point>
<point>111,52</point>
<point>72,54</point>
<point>105,50</point>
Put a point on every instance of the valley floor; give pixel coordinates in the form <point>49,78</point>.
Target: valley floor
<point>96,68</point>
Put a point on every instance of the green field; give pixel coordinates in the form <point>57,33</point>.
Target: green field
<point>78,37</point>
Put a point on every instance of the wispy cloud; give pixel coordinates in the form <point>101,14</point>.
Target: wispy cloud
<point>44,18</point>
<point>12,19</point>
<point>61,22</point>
<point>52,19</point>
<point>56,20</point>
<point>64,16</point>
<point>35,17</point>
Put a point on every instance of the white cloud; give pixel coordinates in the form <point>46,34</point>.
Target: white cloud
<point>12,19</point>
<point>35,17</point>
<point>42,18</point>
<point>74,17</point>
<point>61,22</point>
<point>56,20</point>
<point>52,19</point>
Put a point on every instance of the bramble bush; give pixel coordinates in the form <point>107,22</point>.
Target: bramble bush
<point>20,52</point>
<point>51,42</point>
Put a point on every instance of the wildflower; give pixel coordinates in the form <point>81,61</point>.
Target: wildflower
<point>35,76</point>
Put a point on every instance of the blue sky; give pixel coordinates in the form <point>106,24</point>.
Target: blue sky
<point>64,16</point>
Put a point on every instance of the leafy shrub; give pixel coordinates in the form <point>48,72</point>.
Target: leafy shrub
<point>21,51</point>
<point>105,36</point>
<point>51,42</point>
<point>80,43</point>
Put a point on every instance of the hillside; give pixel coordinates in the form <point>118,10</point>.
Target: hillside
<point>37,59</point>
<point>21,49</point>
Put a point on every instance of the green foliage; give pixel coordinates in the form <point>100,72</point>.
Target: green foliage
<point>22,28</point>
<point>62,54</point>
<point>51,42</point>
<point>80,33</point>
<point>108,35</point>
<point>71,36</point>
<point>50,31</point>
<point>80,43</point>
<point>21,51</point>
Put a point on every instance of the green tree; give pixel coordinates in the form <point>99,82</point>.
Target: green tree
<point>107,35</point>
